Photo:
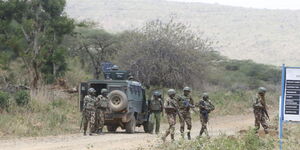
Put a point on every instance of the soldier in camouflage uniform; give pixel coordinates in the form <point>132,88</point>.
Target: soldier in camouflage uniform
<point>260,110</point>
<point>89,111</point>
<point>102,107</point>
<point>185,103</point>
<point>171,109</point>
<point>155,108</point>
<point>205,107</point>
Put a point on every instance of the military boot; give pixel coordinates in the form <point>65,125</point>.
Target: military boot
<point>84,133</point>
<point>189,135</point>
<point>172,137</point>
<point>201,132</point>
<point>163,138</point>
<point>266,131</point>
<point>100,131</point>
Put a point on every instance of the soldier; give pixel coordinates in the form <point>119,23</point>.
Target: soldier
<point>205,107</point>
<point>185,102</point>
<point>131,78</point>
<point>260,110</point>
<point>89,111</point>
<point>155,109</point>
<point>102,106</point>
<point>171,109</point>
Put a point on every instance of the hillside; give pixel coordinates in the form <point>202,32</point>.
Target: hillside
<point>265,36</point>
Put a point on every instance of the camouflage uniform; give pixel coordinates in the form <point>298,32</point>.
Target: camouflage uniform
<point>185,102</point>
<point>259,110</point>
<point>102,107</point>
<point>205,107</point>
<point>155,108</point>
<point>171,109</point>
<point>89,111</point>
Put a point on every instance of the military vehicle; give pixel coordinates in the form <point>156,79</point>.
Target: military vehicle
<point>127,101</point>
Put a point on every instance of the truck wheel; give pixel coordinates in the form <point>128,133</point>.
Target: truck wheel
<point>117,100</point>
<point>112,128</point>
<point>130,126</point>
<point>148,127</point>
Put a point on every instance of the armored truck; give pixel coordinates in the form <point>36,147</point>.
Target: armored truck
<point>128,107</point>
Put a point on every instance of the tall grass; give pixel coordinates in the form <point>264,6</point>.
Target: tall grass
<point>48,113</point>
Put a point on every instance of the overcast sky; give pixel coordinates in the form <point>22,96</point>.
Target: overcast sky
<point>269,4</point>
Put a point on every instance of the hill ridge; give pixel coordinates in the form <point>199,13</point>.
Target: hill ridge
<point>263,35</point>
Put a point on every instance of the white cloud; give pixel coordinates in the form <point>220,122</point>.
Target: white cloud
<point>268,4</point>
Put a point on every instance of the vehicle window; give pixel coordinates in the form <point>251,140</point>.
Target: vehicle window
<point>131,89</point>
<point>135,90</point>
<point>139,91</point>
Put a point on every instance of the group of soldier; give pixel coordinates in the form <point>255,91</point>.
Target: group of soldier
<point>179,106</point>
<point>173,106</point>
<point>94,109</point>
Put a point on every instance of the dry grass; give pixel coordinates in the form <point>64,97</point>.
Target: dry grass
<point>48,113</point>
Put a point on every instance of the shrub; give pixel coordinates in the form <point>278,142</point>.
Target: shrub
<point>22,98</point>
<point>4,100</point>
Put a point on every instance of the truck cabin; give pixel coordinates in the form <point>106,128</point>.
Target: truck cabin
<point>116,75</point>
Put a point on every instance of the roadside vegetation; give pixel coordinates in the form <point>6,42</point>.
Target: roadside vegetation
<point>246,141</point>
<point>41,66</point>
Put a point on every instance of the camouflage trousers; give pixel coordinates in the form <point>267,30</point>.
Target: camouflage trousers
<point>89,118</point>
<point>186,119</point>
<point>172,121</point>
<point>260,119</point>
<point>204,121</point>
<point>100,118</point>
<point>155,117</point>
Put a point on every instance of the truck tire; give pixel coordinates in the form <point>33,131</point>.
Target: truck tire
<point>130,126</point>
<point>148,127</point>
<point>112,128</point>
<point>117,100</point>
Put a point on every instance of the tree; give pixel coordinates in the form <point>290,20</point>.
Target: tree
<point>165,54</point>
<point>94,46</point>
<point>36,29</point>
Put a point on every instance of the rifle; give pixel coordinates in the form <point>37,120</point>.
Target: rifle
<point>266,112</point>
<point>176,109</point>
<point>188,104</point>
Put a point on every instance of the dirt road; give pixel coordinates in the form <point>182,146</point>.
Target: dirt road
<point>120,141</point>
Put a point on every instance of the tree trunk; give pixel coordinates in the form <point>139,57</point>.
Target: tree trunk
<point>97,73</point>
<point>36,75</point>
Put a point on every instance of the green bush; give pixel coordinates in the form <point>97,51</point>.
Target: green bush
<point>4,100</point>
<point>22,98</point>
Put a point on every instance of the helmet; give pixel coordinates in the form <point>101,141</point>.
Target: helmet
<point>187,89</point>
<point>205,95</point>
<point>104,91</point>
<point>156,93</point>
<point>262,90</point>
<point>130,77</point>
<point>91,90</point>
<point>115,67</point>
<point>171,92</point>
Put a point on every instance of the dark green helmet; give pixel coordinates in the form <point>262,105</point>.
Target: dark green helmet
<point>156,93</point>
<point>171,92</point>
<point>187,89</point>
<point>115,67</point>
<point>91,91</point>
<point>130,77</point>
<point>262,90</point>
<point>205,95</point>
<point>104,91</point>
